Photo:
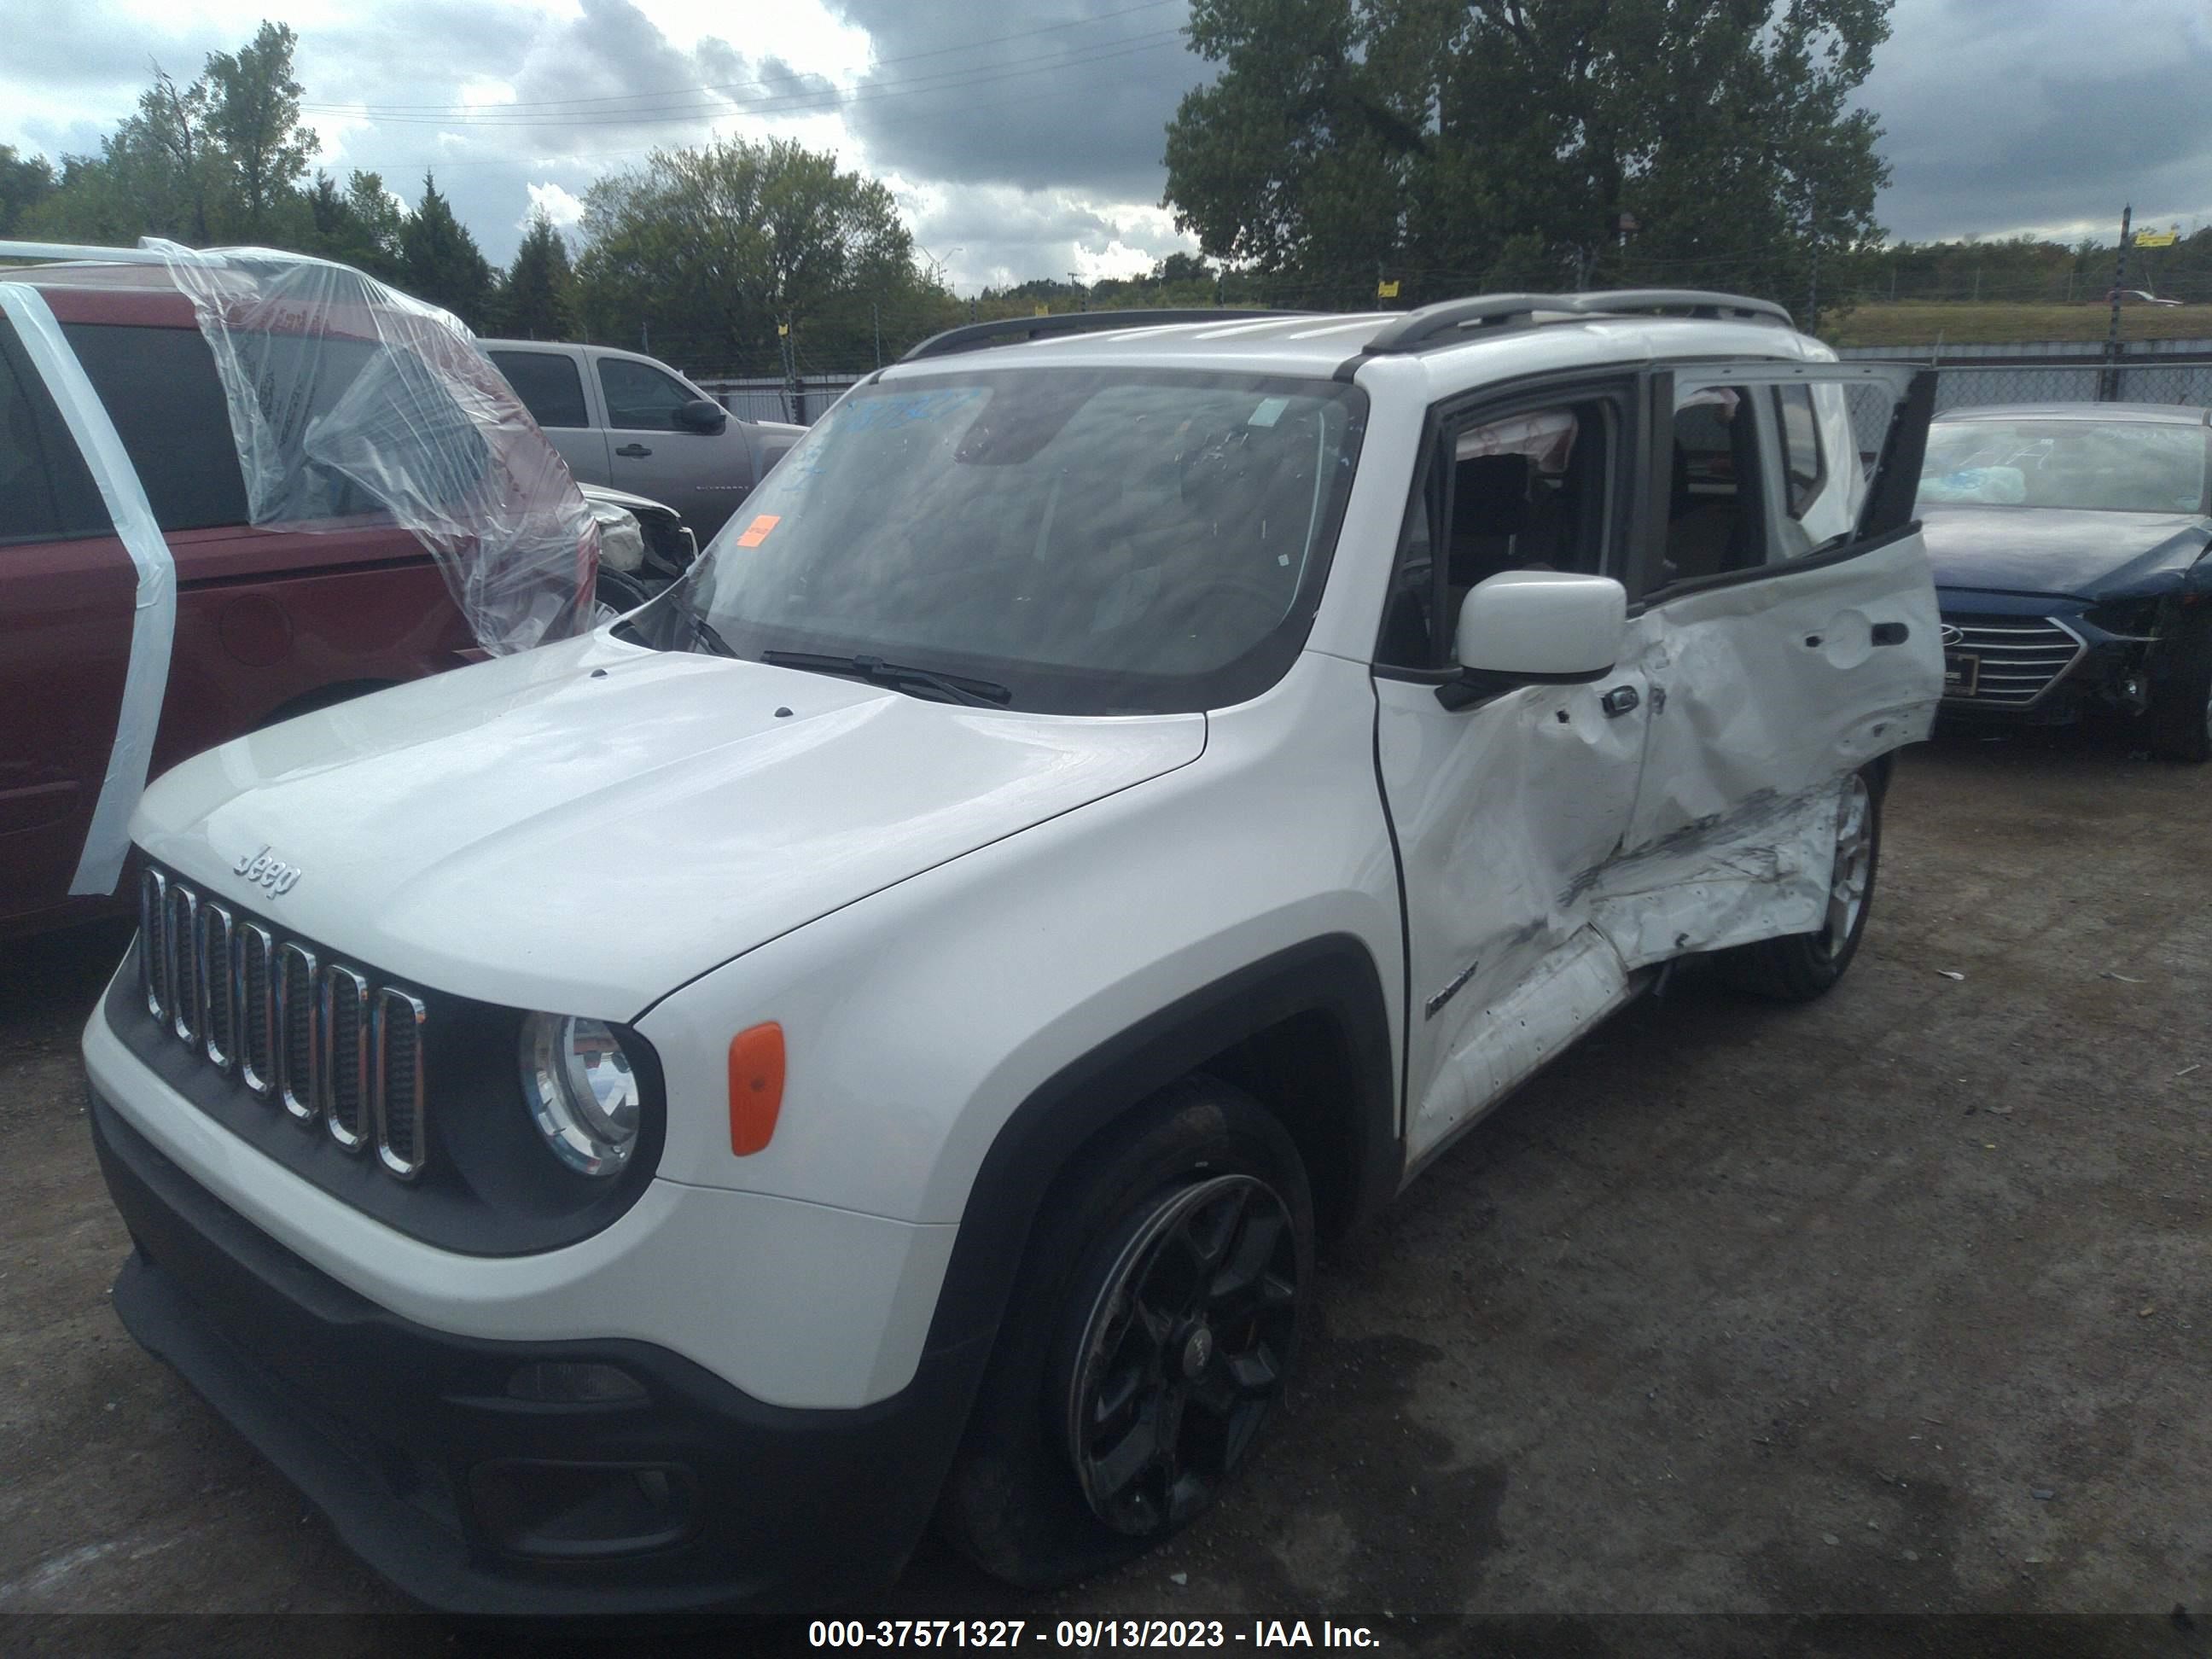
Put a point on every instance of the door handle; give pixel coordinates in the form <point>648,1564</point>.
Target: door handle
<point>1619,701</point>
<point>633,450</point>
<point>1891,633</point>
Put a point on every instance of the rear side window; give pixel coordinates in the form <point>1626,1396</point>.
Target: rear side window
<point>46,494</point>
<point>160,390</point>
<point>547,384</point>
<point>640,396</point>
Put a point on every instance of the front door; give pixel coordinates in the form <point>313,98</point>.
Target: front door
<point>1504,813</point>
<point>702,474</point>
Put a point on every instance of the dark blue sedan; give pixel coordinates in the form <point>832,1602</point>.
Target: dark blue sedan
<point>2069,542</point>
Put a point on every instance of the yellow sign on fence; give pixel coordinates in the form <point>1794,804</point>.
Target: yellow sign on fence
<point>1386,290</point>
<point>1044,311</point>
<point>2158,238</point>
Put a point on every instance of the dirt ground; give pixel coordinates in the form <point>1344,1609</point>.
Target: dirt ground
<point>1893,1305</point>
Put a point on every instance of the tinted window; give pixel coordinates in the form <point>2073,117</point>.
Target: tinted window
<point>46,492</point>
<point>547,384</point>
<point>1714,519</point>
<point>160,390</point>
<point>640,396</point>
<point>1100,541</point>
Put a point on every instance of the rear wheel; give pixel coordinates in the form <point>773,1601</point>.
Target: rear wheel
<point>1156,1320</point>
<point>2181,709</point>
<point>1801,966</point>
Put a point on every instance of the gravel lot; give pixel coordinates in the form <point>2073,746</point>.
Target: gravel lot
<point>1896,1304</point>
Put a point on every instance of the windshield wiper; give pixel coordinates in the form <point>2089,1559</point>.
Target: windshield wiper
<point>955,688</point>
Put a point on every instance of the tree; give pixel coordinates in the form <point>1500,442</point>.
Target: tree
<point>537,296</point>
<point>358,226</point>
<point>24,182</point>
<point>439,260</point>
<point>219,160</point>
<point>1452,143</point>
<point>254,114</point>
<point>710,250</point>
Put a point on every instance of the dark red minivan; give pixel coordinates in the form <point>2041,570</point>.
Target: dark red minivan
<point>269,621</point>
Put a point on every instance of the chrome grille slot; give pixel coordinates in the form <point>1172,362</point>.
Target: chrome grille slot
<point>345,1057</point>
<point>153,943</point>
<point>2018,658</point>
<point>254,1000</point>
<point>399,1021</point>
<point>300,1030</point>
<point>214,987</point>
<point>180,933</point>
<point>323,1038</point>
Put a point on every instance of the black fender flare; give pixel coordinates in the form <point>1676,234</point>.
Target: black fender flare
<point>1333,974</point>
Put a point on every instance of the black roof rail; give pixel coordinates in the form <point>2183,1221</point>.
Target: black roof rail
<point>1451,320</point>
<point>1011,331</point>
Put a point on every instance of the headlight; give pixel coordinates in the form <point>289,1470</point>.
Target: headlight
<point>584,1094</point>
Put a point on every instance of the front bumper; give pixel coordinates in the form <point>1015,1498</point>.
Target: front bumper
<point>694,1498</point>
<point>2037,658</point>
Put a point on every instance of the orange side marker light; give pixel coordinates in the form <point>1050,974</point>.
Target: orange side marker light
<point>756,1086</point>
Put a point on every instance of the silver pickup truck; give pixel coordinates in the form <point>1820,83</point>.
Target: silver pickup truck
<point>631,423</point>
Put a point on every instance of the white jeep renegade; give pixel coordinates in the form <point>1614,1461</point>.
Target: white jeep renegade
<point>873,1036</point>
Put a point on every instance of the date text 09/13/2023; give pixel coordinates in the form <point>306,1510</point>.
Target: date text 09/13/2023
<point>1084,1633</point>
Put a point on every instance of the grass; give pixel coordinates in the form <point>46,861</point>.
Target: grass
<point>1923,322</point>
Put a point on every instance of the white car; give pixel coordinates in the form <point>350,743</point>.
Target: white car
<point>652,1121</point>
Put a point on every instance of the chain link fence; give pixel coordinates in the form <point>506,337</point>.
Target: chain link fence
<point>773,398</point>
<point>1968,376</point>
<point>2058,371</point>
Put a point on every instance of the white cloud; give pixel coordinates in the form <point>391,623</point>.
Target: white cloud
<point>561,206</point>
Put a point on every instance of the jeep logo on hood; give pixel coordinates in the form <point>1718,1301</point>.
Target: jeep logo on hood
<point>272,874</point>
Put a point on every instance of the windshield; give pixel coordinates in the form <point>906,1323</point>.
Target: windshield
<point>2118,466</point>
<point>1094,541</point>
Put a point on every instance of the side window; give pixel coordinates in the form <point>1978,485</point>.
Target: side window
<point>1529,489</point>
<point>1801,462</point>
<point>1716,514</point>
<point>549,385</point>
<point>47,493</point>
<point>640,396</point>
<point>161,393</point>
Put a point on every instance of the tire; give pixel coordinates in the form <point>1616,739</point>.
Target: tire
<point>2180,715</point>
<point>1800,967</point>
<point>1116,1331</point>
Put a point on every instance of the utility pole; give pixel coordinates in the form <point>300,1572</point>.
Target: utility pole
<point>876,317</point>
<point>793,408</point>
<point>1082,294</point>
<point>645,333</point>
<point>1813,294</point>
<point>2108,382</point>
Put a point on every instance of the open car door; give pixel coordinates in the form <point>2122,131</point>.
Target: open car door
<point>1788,635</point>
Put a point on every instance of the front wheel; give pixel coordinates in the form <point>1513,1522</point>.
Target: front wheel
<point>1151,1333</point>
<point>1801,966</point>
<point>2180,714</point>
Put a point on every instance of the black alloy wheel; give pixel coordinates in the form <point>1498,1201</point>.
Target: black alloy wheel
<point>1187,1341</point>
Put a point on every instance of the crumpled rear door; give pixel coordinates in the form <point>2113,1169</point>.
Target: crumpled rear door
<point>1789,638</point>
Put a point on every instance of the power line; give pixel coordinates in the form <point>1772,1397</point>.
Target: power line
<point>718,86</point>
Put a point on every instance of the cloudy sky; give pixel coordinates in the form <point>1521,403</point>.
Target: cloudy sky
<point>1024,138</point>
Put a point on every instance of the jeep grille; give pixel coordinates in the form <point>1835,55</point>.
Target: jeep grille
<point>318,1038</point>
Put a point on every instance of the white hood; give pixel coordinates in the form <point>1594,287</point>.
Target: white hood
<point>585,826</point>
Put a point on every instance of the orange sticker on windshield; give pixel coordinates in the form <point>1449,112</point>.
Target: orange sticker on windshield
<point>757,531</point>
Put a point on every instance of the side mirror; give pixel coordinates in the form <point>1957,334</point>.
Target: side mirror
<point>1524,627</point>
<point>702,414</point>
